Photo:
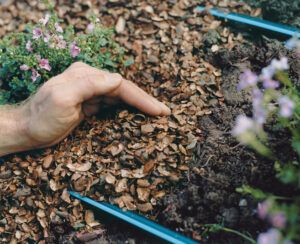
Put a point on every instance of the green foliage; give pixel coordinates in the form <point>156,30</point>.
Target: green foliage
<point>59,47</point>
<point>282,104</point>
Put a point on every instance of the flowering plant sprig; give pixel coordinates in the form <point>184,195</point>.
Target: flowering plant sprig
<point>274,95</point>
<point>46,49</point>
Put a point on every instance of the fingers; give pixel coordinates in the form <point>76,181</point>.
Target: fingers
<point>136,97</point>
<point>89,83</point>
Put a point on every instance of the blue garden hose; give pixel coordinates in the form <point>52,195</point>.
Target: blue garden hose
<point>136,220</point>
<point>252,21</point>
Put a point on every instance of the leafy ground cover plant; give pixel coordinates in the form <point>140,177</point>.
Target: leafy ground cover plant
<point>275,97</point>
<point>44,50</point>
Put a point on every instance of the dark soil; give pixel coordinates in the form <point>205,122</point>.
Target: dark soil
<point>207,194</point>
<point>287,12</point>
<point>221,164</point>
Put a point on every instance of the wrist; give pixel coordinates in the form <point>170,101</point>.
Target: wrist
<point>14,136</point>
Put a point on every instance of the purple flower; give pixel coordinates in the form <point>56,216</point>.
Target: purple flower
<point>286,107</point>
<point>272,236</point>
<point>58,28</point>
<point>74,50</point>
<point>29,46</point>
<point>45,20</point>
<point>37,33</point>
<point>34,75</point>
<point>90,27</point>
<point>44,64</point>
<point>263,209</point>
<point>281,64</point>
<point>243,124</point>
<point>247,79</point>
<point>278,220</point>
<point>24,67</point>
<point>270,84</point>
<point>257,97</point>
<point>259,112</point>
<point>267,73</point>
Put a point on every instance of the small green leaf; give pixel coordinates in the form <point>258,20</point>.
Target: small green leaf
<point>129,61</point>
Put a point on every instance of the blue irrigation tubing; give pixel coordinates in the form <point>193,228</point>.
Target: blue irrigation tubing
<point>136,220</point>
<point>252,21</point>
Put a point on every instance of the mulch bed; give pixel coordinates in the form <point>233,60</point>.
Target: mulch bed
<point>180,170</point>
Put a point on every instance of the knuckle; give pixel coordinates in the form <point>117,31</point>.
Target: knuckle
<point>117,76</point>
<point>78,64</point>
<point>60,99</point>
<point>78,70</point>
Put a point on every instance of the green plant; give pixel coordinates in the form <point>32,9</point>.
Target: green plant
<point>30,58</point>
<point>274,96</point>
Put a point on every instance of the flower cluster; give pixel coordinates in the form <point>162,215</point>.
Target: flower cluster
<point>30,58</point>
<point>263,87</point>
<point>277,218</point>
<point>274,95</point>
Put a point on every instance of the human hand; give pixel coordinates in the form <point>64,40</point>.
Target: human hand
<point>63,102</point>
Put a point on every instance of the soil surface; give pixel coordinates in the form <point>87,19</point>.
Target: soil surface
<point>220,164</point>
<point>282,11</point>
<point>194,165</point>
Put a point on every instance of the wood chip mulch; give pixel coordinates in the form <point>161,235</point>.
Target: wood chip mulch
<point>125,158</point>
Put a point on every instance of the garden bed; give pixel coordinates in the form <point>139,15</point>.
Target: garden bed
<point>189,161</point>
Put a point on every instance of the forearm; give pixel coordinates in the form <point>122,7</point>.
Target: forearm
<point>13,134</point>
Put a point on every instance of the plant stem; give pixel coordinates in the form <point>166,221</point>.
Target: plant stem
<point>239,234</point>
<point>218,227</point>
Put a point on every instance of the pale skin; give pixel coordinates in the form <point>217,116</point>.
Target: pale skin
<point>63,102</point>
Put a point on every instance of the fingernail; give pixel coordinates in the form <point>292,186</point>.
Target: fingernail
<point>165,109</point>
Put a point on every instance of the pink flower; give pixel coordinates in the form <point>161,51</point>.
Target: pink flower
<point>58,28</point>
<point>61,43</point>
<point>45,20</point>
<point>28,46</point>
<point>272,236</point>
<point>44,64</point>
<point>34,75</point>
<point>24,67</point>
<point>37,33</point>
<point>248,78</point>
<point>47,38</point>
<point>90,27</point>
<point>58,42</point>
<point>278,220</point>
<point>286,107</point>
<point>74,50</point>
<point>263,209</point>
